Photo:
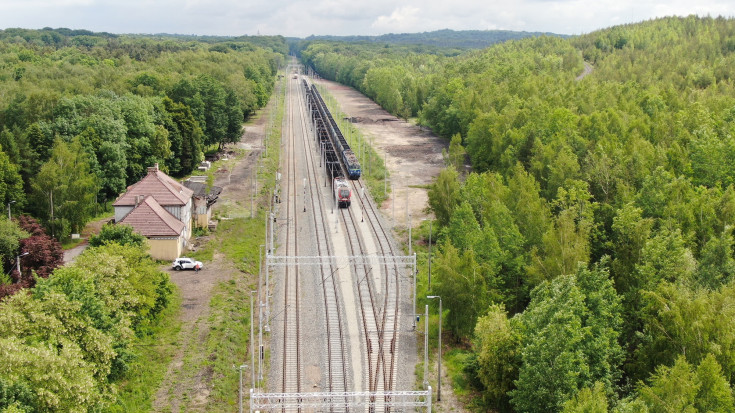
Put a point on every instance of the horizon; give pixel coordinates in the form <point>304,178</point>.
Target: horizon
<point>299,19</point>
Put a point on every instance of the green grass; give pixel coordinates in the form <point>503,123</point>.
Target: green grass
<point>153,353</point>
<point>228,342</point>
<point>71,243</point>
<point>105,211</point>
<point>239,239</point>
<point>455,361</point>
<point>374,171</point>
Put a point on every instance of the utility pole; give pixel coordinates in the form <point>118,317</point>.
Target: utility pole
<point>252,341</point>
<point>413,269</point>
<point>426,346</point>
<point>439,375</point>
<point>410,240</point>
<point>273,219</point>
<point>260,340</point>
<point>430,221</point>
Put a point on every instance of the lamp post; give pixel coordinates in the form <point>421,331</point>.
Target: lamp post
<point>426,346</point>
<point>17,261</point>
<point>439,375</point>
<point>11,202</point>
<point>252,342</point>
<point>414,291</point>
<point>430,222</point>
<point>410,241</point>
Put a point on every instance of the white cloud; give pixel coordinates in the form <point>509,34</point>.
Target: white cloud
<point>402,19</point>
<point>343,17</point>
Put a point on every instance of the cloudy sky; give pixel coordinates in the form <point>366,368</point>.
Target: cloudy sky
<point>302,18</point>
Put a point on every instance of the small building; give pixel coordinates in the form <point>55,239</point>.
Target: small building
<point>159,208</point>
<point>203,200</point>
<point>173,196</point>
<point>165,233</point>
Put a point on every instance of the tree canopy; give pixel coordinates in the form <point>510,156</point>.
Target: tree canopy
<point>623,176</point>
<point>128,101</point>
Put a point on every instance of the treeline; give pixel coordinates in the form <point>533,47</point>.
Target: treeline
<point>589,258</point>
<point>395,77</point>
<point>67,344</point>
<point>85,113</point>
<point>446,38</point>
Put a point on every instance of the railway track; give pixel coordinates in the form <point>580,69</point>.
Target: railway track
<point>291,355</point>
<point>384,295</point>
<point>378,288</point>
<point>373,313</point>
<point>337,377</point>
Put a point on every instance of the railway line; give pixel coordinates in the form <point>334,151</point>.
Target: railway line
<point>378,300</point>
<point>358,304</point>
<point>337,379</point>
<point>291,355</point>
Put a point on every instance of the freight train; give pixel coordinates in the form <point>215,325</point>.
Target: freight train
<point>341,147</point>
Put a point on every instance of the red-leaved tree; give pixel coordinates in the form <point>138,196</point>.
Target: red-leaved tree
<point>44,252</point>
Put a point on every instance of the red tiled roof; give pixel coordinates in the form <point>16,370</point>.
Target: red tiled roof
<point>165,189</point>
<point>150,219</point>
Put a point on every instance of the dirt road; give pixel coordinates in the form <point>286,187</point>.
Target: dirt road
<point>185,388</point>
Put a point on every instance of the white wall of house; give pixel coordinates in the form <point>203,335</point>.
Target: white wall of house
<point>121,211</point>
<point>202,214</point>
<point>183,214</point>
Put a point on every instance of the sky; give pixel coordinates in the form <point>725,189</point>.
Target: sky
<point>301,18</point>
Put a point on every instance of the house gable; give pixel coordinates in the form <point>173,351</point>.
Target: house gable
<point>150,219</point>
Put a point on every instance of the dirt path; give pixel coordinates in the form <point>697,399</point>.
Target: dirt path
<point>587,70</point>
<point>185,388</point>
<point>92,228</point>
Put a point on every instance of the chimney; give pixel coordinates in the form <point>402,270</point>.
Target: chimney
<point>153,169</point>
<point>139,199</point>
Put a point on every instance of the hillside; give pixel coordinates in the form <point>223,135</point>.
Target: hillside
<point>460,39</point>
<point>589,258</point>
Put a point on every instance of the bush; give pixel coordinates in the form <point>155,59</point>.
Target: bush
<point>120,234</point>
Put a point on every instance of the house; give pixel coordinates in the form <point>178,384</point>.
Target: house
<point>165,233</point>
<point>155,194</point>
<point>203,200</point>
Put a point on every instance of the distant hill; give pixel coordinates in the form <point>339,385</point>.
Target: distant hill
<point>463,39</point>
<point>64,37</point>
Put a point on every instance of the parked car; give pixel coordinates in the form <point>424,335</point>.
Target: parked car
<point>184,263</point>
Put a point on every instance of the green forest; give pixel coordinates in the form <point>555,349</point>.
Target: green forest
<point>587,260</point>
<point>458,39</point>
<point>82,115</point>
<point>107,107</point>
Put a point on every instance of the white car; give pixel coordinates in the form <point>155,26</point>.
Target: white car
<point>184,263</point>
